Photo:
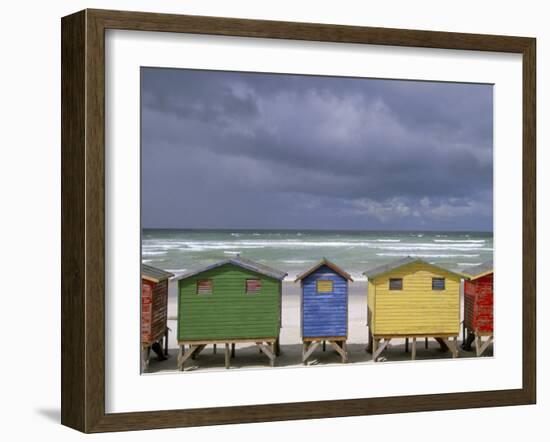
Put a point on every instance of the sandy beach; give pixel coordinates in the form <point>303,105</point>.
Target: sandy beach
<point>248,356</point>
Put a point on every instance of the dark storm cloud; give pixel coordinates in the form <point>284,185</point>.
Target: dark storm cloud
<point>235,150</point>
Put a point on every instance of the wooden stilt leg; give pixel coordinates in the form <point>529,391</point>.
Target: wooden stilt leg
<point>304,349</point>
<point>452,346</point>
<point>142,360</point>
<point>478,345</point>
<point>406,345</point>
<point>311,346</point>
<point>324,345</point>
<point>166,342</point>
<point>269,350</point>
<point>379,350</point>
<point>232,350</point>
<point>227,355</point>
<point>214,349</point>
<point>274,351</point>
<point>442,343</point>
<point>180,355</point>
<point>374,348</point>
<point>426,343</point>
<point>339,347</point>
<point>455,346</point>
<point>413,351</point>
<point>277,347</point>
<point>382,347</point>
<point>485,345</point>
<point>184,355</point>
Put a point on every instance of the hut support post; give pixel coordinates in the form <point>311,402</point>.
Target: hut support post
<point>340,349</point>
<point>145,353</point>
<point>379,350</point>
<point>442,343</point>
<point>181,349</point>
<point>482,346</point>
<point>277,347</point>
<point>455,346</point>
<point>452,346</point>
<point>406,345</point>
<point>198,349</point>
<point>413,350</point>
<point>227,355</point>
<point>268,350</point>
<point>194,350</point>
<point>274,353</point>
<point>324,345</point>
<point>214,348</point>
<point>232,350</point>
<point>309,348</point>
<point>426,343</point>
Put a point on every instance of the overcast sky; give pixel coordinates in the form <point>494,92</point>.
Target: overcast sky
<point>262,151</point>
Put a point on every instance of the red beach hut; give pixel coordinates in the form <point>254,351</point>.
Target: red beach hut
<point>154,313</point>
<point>478,307</point>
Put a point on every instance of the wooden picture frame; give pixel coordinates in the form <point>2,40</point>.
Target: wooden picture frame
<point>83,220</point>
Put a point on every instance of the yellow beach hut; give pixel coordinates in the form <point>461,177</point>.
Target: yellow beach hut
<point>410,298</point>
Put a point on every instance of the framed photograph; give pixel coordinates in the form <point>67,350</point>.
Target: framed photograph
<point>268,220</point>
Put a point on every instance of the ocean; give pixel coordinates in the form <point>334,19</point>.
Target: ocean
<point>179,250</point>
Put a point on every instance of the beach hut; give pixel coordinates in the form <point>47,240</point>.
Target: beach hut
<point>324,308</point>
<point>411,298</point>
<point>478,307</point>
<point>154,309</point>
<point>230,302</point>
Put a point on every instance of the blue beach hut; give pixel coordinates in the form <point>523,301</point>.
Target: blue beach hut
<point>324,308</point>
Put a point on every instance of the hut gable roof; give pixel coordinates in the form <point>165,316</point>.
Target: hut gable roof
<point>239,262</point>
<point>398,263</point>
<point>330,265</point>
<point>154,274</point>
<point>479,271</point>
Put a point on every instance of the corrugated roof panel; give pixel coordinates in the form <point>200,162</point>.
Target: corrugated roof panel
<point>480,270</point>
<point>154,273</point>
<point>396,264</point>
<point>240,262</point>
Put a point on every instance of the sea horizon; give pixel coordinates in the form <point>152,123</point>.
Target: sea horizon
<point>317,230</point>
<point>294,250</point>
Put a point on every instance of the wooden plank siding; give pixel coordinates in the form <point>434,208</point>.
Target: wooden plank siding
<point>324,313</point>
<point>154,305</point>
<point>416,309</point>
<point>478,304</point>
<point>228,312</point>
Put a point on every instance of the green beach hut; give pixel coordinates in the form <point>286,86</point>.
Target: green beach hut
<point>230,302</point>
